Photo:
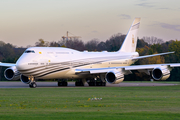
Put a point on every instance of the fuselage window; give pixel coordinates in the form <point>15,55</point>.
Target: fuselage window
<point>62,52</point>
<point>50,52</point>
<point>116,63</point>
<point>29,51</point>
<point>32,63</point>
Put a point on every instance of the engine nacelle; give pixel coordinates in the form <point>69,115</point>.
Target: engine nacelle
<point>12,73</point>
<point>25,79</point>
<point>161,73</point>
<point>114,77</point>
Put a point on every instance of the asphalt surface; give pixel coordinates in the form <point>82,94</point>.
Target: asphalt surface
<point>72,84</point>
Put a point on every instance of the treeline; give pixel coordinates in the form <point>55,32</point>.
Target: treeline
<point>112,44</point>
<point>145,46</point>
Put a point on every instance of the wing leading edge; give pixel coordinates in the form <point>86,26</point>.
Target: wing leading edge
<point>7,64</point>
<point>146,56</point>
<point>126,68</point>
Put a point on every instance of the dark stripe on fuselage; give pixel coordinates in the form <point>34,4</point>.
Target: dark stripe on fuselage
<point>56,67</point>
<point>52,72</point>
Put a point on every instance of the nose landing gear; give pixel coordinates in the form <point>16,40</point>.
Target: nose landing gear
<point>32,84</point>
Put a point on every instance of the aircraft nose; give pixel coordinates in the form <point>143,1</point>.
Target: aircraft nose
<point>20,64</point>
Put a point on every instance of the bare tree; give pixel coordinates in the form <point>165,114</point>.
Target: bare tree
<point>102,46</point>
<point>54,44</point>
<point>62,43</point>
<point>153,40</point>
<point>115,42</point>
<point>2,43</point>
<point>92,44</point>
<point>75,44</point>
<point>42,43</point>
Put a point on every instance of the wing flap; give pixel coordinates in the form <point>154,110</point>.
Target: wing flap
<point>93,70</point>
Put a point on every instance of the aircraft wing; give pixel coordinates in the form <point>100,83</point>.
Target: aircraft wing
<point>146,56</point>
<point>7,64</point>
<point>126,68</point>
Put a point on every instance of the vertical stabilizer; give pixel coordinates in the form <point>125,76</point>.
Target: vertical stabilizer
<point>130,42</point>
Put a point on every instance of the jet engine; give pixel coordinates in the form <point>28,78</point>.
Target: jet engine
<point>12,73</point>
<point>114,77</point>
<point>161,73</point>
<point>25,79</point>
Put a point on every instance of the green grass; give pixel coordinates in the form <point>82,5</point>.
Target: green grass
<point>163,82</point>
<point>123,103</point>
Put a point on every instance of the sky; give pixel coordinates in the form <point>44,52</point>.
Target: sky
<point>24,22</point>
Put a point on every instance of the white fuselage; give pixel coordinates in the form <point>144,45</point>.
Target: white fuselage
<point>58,62</point>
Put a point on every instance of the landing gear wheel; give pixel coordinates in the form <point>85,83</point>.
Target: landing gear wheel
<point>30,85</point>
<point>97,83</point>
<point>79,83</point>
<point>103,83</point>
<point>33,85</point>
<point>62,83</point>
<point>91,83</point>
<point>59,84</point>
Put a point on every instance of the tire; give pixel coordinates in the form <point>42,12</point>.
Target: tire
<point>98,83</point>
<point>59,84</point>
<point>30,85</point>
<point>103,83</point>
<point>79,84</point>
<point>33,85</point>
<point>62,83</point>
<point>91,84</point>
<point>76,84</point>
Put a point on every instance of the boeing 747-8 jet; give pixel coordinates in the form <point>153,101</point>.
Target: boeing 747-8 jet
<point>64,63</point>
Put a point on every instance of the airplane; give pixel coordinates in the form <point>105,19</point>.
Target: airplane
<point>63,63</point>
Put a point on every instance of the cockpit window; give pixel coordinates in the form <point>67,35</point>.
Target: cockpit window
<point>29,51</point>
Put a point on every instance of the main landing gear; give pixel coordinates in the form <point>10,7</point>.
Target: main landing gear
<point>91,82</point>
<point>80,82</point>
<point>97,81</point>
<point>62,82</point>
